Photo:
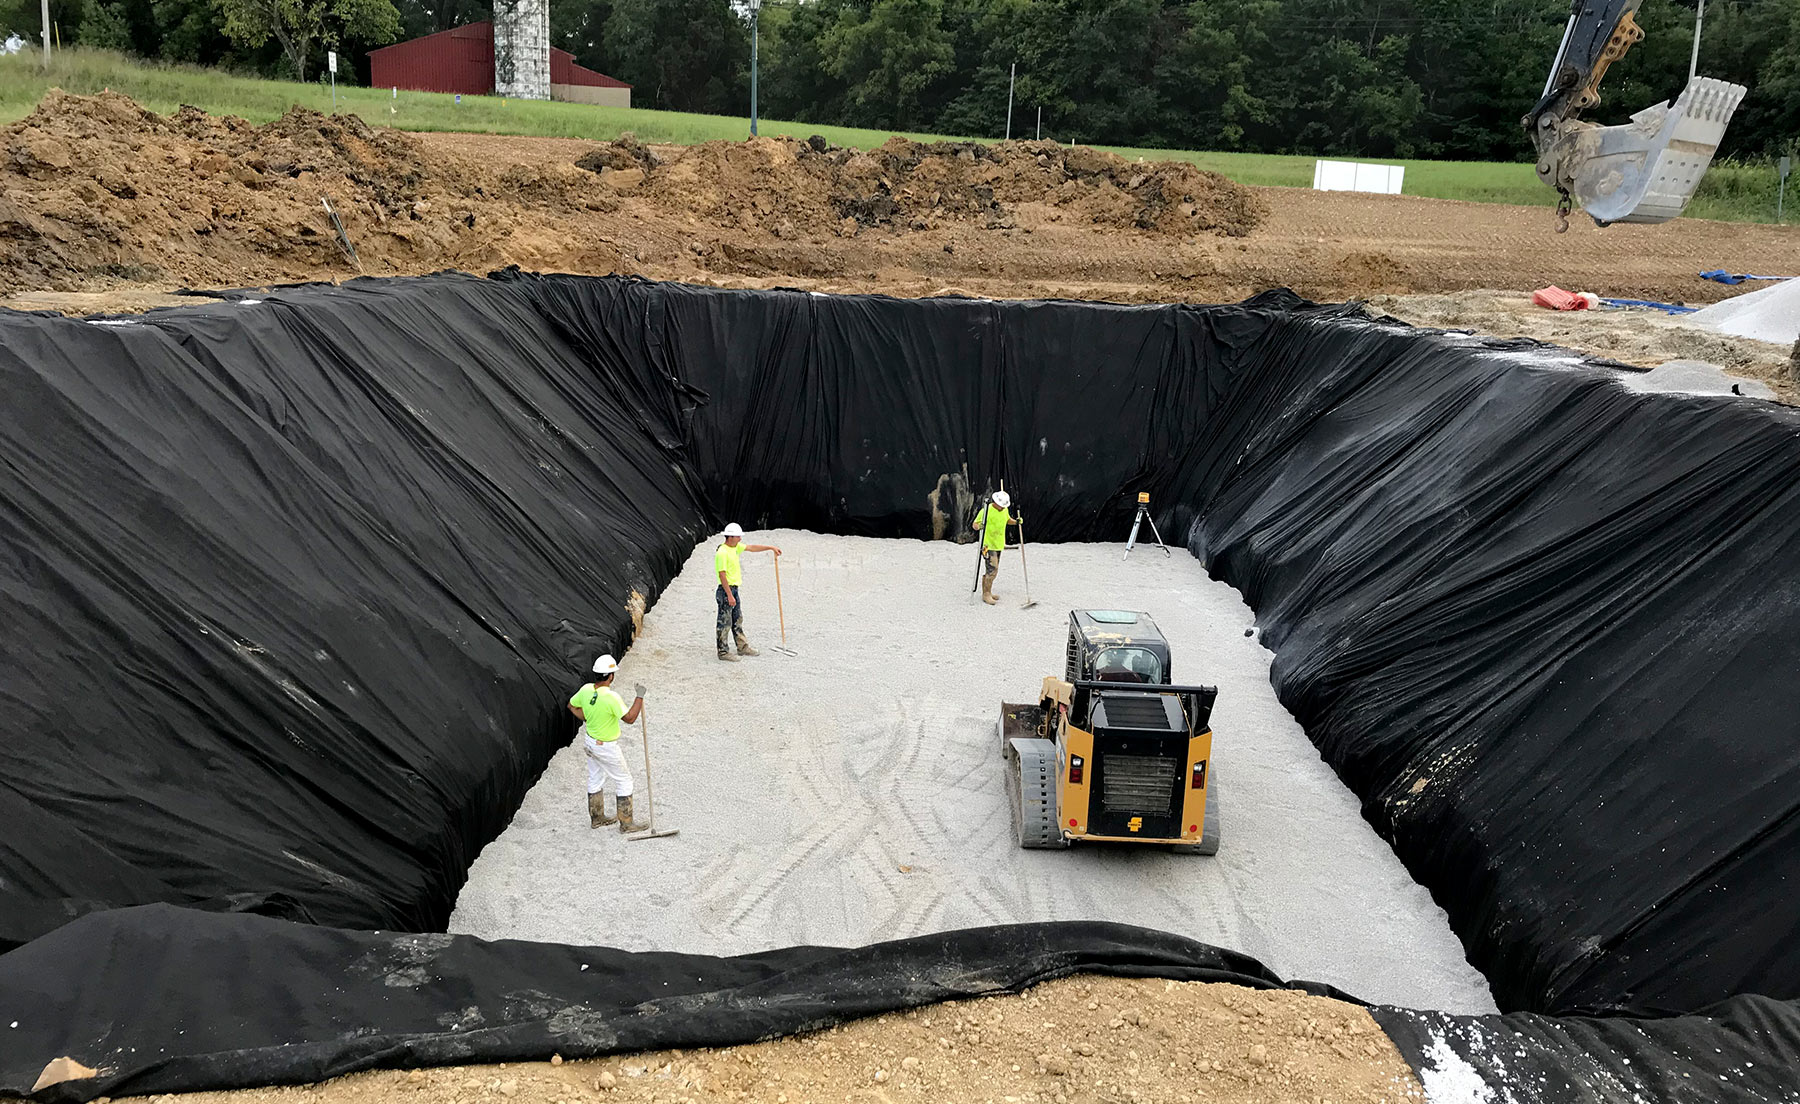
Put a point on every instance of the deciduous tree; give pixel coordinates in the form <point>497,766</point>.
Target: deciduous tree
<point>300,26</point>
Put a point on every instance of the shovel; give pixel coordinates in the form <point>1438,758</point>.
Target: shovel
<point>653,832</point>
<point>781,613</point>
<point>1025,568</point>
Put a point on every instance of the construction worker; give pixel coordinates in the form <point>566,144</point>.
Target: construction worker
<point>731,607</point>
<point>991,523</point>
<point>601,710</point>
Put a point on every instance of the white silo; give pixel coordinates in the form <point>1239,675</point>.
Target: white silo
<point>522,49</point>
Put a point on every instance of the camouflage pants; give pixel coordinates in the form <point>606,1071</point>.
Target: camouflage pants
<point>731,621</point>
<point>992,559</point>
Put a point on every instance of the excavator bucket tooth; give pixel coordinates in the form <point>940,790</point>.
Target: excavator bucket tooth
<point>1646,170</point>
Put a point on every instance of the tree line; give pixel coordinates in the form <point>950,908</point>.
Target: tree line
<point>1378,78</point>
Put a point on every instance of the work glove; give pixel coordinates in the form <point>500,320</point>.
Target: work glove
<point>638,690</point>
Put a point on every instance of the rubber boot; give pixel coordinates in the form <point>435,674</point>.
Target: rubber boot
<point>987,590</point>
<point>743,646</point>
<point>597,817</point>
<point>626,824</point>
<point>725,647</point>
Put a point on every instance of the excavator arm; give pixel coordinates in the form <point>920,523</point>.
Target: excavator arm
<point>1642,171</point>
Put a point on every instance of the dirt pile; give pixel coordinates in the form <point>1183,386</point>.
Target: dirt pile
<point>624,153</point>
<point>96,186</point>
<point>788,187</point>
<point>96,191</point>
<point>99,196</point>
<point>1077,1041</point>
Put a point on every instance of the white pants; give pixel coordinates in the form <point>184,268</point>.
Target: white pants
<point>606,764</point>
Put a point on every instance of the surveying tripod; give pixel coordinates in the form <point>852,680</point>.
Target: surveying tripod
<point>1143,515</point>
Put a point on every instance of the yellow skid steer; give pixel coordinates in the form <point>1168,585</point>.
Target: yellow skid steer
<point>1115,753</point>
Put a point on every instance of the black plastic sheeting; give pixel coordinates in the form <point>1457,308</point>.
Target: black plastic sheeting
<point>1741,1051</point>
<point>226,1001</point>
<point>1548,629</point>
<point>865,415</point>
<point>296,587</point>
<point>213,1001</point>
<point>290,587</point>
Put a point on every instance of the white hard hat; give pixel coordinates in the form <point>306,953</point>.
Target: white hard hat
<point>606,665</point>
<point>734,530</point>
<point>1002,499</point>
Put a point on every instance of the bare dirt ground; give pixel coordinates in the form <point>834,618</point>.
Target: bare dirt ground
<point>1076,1041</point>
<point>97,195</point>
<point>1325,245</point>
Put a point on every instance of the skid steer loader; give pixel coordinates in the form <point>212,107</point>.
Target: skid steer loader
<point>1114,752</point>
<point>1642,171</point>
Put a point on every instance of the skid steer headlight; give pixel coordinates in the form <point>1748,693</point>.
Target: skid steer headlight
<point>1076,763</point>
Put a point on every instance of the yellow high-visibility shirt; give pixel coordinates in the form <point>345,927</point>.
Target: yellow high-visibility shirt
<point>601,709</point>
<point>726,560</point>
<point>993,532</point>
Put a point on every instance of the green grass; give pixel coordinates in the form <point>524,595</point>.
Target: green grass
<point>1480,181</point>
<point>1738,192</point>
<point>163,88</point>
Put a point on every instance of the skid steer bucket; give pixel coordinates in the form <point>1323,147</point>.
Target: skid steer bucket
<point>1646,170</point>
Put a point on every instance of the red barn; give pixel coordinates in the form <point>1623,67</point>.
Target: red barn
<point>461,59</point>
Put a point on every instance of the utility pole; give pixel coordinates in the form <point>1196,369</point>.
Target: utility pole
<point>1009,96</point>
<point>755,6</point>
<point>1040,136</point>
<point>1699,18</point>
<point>45,6</point>
<point>1783,168</point>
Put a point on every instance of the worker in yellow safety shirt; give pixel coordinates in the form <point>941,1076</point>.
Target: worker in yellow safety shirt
<point>601,710</point>
<point>731,605</point>
<point>991,523</point>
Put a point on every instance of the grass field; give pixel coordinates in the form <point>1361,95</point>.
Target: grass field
<point>1730,191</point>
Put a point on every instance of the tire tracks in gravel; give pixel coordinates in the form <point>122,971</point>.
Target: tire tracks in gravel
<point>838,765</point>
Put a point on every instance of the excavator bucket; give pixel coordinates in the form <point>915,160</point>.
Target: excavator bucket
<point>1646,170</point>
<point>1642,171</point>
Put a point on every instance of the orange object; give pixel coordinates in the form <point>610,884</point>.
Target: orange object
<point>1556,298</point>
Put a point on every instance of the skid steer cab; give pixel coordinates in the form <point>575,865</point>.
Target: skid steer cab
<point>1115,752</point>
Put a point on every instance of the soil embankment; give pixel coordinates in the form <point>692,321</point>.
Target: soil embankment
<point>98,195</point>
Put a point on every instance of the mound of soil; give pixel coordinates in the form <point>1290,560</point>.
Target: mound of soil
<point>98,196</point>
<point>96,186</point>
<point>784,186</point>
<point>1082,1040</point>
<point>95,190</point>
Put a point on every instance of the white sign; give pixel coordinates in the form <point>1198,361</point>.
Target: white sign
<point>1353,176</point>
<point>331,60</point>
